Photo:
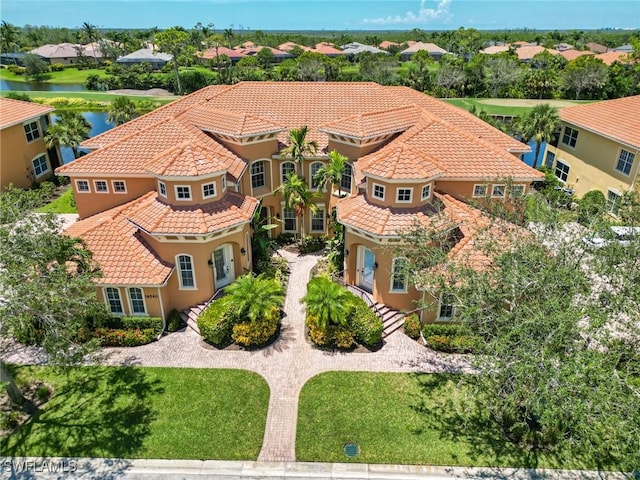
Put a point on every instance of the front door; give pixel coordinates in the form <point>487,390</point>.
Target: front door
<point>366,266</point>
<point>223,270</point>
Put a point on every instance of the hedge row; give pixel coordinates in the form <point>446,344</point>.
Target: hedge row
<point>448,338</point>
<point>118,337</point>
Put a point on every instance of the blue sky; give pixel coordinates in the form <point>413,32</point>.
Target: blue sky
<point>328,14</point>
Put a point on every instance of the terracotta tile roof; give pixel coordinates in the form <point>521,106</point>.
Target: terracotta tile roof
<point>225,122</point>
<point>157,217</point>
<point>399,161</point>
<point>327,49</point>
<point>374,124</point>
<point>213,52</point>
<point>618,119</point>
<point>493,49</point>
<point>609,57</point>
<point>429,47</point>
<point>125,258</point>
<point>386,44</point>
<point>527,52</point>
<point>288,46</point>
<point>186,160</point>
<point>572,54</point>
<point>13,112</point>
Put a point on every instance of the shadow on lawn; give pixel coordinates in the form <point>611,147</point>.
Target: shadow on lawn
<point>95,412</point>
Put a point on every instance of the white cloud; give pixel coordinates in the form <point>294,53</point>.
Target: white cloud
<point>424,15</point>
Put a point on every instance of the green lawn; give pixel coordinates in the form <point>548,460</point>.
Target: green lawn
<point>65,203</point>
<point>402,419</point>
<point>132,412</point>
<point>68,75</point>
<point>468,103</point>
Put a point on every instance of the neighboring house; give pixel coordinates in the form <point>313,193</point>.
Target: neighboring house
<point>597,47</point>
<point>12,58</point>
<point>354,48</point>
<point>571,54</point>
<point>67,53</point>
<point>610,57</point>
<point>434,50</point>
<point>599,148</point>
<point>626,48</point>
<point>24,158</point>
<point>212,54</point>
<point>561,47</point>
<point>166,200</point>
<point>145,55</point>
<point>327,49</point>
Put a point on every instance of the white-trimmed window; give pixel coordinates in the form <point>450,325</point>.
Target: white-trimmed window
<point>551,157</point>
<point>446,308</point>
<point>613,201</point>
<point>313,170</point>
<point>399,275</point>
<point>223,182</point>
<point>31,131</point>
<point>286,169</point>
<point>498,191</point>
<point>185,271</point>
<point>257,174</point>
<point>82,186</point>
<point>162,189</point>
<point>290,220</point>
<point>101,186</point>
<point>403,195</point>
<point>136,299</point>
<point>317,220</point>
<point>209,190</point>
<point>345,181</point>
<point>113,300</point>
<point>40,165</point>
<point>479,190</point>
<point>378,191</point>
<point>625,161</point>
<point>516,191</point>
<point>183,192</point>
<point>570,137</point>
<point>562,170</point>
<point>119,186</point>
<point>426,192</point>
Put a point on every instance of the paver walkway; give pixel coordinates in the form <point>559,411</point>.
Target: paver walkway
<point>288,363</point>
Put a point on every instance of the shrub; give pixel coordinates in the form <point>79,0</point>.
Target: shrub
<point>344,337</point>
<point>312,244</point>
<point>258,333</point>
<point>133,323</point>
<point>57,67</point>
<point>365,323</point>
<point>591,207</point>
<point>448,339</point>
<point>174,322</point>
<point>216,322</point>
<point>19,96</point>
<point>412,326</point>
<point>15,69</point>
<point>119,337</point>
<point>318,335</point>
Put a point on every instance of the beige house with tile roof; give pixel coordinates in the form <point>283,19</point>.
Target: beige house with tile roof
<point>166,200</point>
<point>599,148</point>
<point>24,158</point>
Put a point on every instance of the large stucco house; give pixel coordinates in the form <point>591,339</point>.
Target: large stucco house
<point>598,148</point>
<point>24,157</point>
<point>166,200</point>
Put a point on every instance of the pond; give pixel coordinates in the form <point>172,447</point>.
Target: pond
<point>99,124</point>
<point>44,87</point>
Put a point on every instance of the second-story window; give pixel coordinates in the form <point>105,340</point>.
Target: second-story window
<point>31,131</point>
<point>209,190</point>
<point>378,191</point>
<point>570,137</point>
<point>516,191</point>
<point>479,190</point>
<point>119,186</point>
<point>183,192</point>
<point>426,192</point>
<point>82,186</point>
<point>404,195</point>
<point>101,186</point>
<point>498,191</point>
<point>625,161</point>
<point>313,170</point>
<point>162,189</point>
<point>223,182</point>
<point>257,174</point>
<point>562,170</point>
<point>287,169</point>
<point>345,181</point>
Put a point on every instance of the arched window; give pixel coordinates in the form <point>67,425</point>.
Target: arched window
<point>313,169</point>
<point>136,298</point>
<point>345,183</point>
<point>113,300</point>
<point>257,174</point>
<point>185,270</point>
<point>287,168</point>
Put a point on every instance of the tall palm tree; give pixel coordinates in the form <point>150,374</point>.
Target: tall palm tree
<point>91,35</point>
<point>331,173</point>
<point>254,297</point>
<point>8,38</point>
<point>327,302</point>
<point>299,147</point>
<point>539,125</point>
<point>298,197</point>
<point>69,130</point>
<point>228,34</point>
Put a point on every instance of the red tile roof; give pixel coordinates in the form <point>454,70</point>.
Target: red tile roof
<point>225,122</point>
<point>572,54</point>
<point>374,124</point>
<point>157,217</point>
<point>124,256</point>
<point>618,119</point>
<point>609,57</point>
<point>399,161</point>
<point>187,160</point>
<point>327,49</point>
<point>213,52</point>
<point>13,112</point>
<point>429,47</point>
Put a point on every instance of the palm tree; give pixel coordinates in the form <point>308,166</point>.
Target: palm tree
<point>331,173</point>
<point>297,197</point>
<point>8,38</point>
<point>91,35</point>
<point>69,130</point>
<point>228,34</point>
<point>254,297</point>
<point>121,110</point>
<point>540,125</point>
<point>327,302</point>
<point>298,146</point>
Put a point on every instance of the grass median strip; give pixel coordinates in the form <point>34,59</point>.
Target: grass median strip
<point>134,412</point>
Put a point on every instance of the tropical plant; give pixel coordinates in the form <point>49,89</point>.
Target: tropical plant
<point>8,37</point>
<point>327,302</point>
<point>175,41</point>
<point>69,130</point>
<point>254,297</point>
<point>331,173</point>
<point>121,110</point>
<point>297,197</point>
<point>35,66</point>
<point>299,147</point>
<point>91,35</point>
<point>539,125</point>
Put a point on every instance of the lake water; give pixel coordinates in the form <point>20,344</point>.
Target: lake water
<point>44,87</point>
<point>99,124</point>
